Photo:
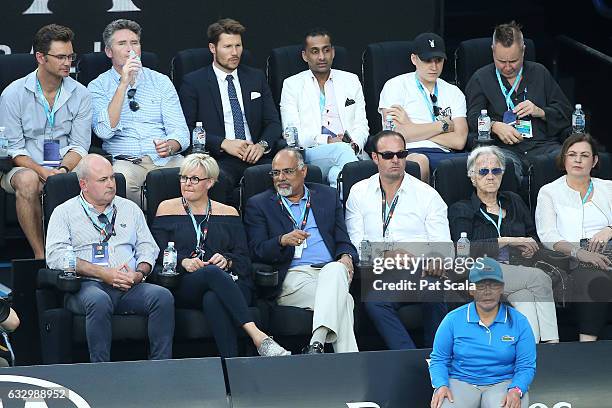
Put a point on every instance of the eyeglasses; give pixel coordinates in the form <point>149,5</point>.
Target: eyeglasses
<point>489,285</point>
<point>286,172</point>
<point>434,102</point>
<point>64,58</point>
<point>390,155</point>
<point>134,106</point>
<point>574,156</point>
<point>496,171</point>
<point>193,179</point>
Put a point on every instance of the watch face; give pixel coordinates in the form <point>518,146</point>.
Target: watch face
<point>445,127</point>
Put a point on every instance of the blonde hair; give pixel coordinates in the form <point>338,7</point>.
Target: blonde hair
<point>206,162</point>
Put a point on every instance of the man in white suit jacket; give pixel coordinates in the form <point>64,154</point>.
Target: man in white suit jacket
<point>327,108</point>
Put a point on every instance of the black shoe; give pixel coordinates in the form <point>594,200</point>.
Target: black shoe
<point>314,348</point>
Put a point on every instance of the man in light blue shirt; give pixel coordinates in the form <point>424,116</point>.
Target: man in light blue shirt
<point>47,116</point>
<point>136,111</point>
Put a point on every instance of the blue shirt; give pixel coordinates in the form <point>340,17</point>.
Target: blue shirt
<point>160,115</point>
<point>316,251</point>
<point>466,350</point>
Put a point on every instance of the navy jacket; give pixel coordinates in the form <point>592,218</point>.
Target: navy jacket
<point>201,102</point>
<point>265,222</point>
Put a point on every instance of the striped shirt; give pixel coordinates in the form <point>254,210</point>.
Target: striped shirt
<point>71,225</point>
<point>160,115</point>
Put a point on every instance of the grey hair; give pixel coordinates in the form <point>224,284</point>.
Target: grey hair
<point>296,153</point>
<point>484,150</point>
<point>121,24</point>
<point>206,162</point>
<point>82,169</point>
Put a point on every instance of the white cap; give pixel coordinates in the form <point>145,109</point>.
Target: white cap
<point>170,243</point>
<point>483,111</point>
<point>464,235</point>
<point>578,106</point>
<point>198,124</point>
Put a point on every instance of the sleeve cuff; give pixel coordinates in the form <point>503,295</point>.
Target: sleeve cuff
<point>104,119</point>
<point>74,148</point>
<point>18,152</point>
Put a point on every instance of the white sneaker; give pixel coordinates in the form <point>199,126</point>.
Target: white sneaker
<point>270,348</point>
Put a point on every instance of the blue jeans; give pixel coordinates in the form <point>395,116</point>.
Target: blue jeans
<point>99,301</point>
<point>330,158</point>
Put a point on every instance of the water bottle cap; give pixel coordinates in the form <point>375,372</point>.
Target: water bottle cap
<point>578,106</point>
<point>171,243</point>
<point>388,117</point>
<point>464,235</point>
<point>483,111</point>
<point>198,124</point>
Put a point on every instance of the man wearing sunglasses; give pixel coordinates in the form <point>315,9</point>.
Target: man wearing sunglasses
<point>136,111</point>
<point>428,111</point>
<point>530,114</point>
<point>326,106</point>
<point>300,229</point>
<point>396,209</point>
<point>47,116</point>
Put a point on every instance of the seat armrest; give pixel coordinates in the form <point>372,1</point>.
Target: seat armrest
<point>6,164</point>
<point>265,275</point>
<point>167,281</point>
<point>56,279</point>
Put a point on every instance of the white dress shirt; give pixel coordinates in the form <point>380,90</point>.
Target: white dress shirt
<point>228,118</point>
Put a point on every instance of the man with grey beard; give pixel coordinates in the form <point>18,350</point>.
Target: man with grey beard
<point>300,229</point>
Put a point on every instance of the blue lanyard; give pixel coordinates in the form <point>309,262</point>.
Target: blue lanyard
<point>508,95</point>
<point>428,98</point>
<point>499,219</point>
<point>301,223</point>
<point>588,193</point>
<point>48,110</point>
<point>321,101</point>
<point>101,228</point>
<point>201,233</point>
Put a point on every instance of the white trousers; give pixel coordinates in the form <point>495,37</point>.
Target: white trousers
<point>326,292</point>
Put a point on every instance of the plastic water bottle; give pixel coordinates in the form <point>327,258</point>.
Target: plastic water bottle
<point>389,125</point>
<point>365,255</point>
<point>169,262</point>
<point>291,136</point>
<point>138,77</point>
<point>484,126</point>
<point>69,265</point>
<point>463,246</point>
<point>3,144</point>
<point>578,120</point>
<point>198,139</point>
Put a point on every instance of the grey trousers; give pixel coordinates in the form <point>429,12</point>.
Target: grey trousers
<point>480,396</point>
<point>99,301</point>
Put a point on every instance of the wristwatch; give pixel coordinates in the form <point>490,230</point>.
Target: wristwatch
<point>265,146</point>
<point>144,275</point>
<point>445,126</point>
<point>65,168</point>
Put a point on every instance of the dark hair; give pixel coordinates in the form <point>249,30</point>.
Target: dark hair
<point>223,26</point>
<point>385,133</point>
<point>47,34</point>
<point>507,34</point>
<point>572,140</point>
<point>315,32</point>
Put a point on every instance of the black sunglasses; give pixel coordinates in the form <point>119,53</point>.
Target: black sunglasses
<point>389,155</point>
<point>134,106</point>
<point>434,102</point>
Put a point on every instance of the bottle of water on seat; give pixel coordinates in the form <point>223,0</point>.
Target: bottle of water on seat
<point>169,262</point>
<point>463,246</point>
<point>578,120</point>
<point>389,125</point>
<point>290,134</point>
<point>3,143</point>
<point>198,139</point>
<point>69,265</point>
<point>484,126</point>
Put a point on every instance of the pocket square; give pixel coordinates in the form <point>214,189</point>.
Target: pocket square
<point>349,102</point>
<point>255,95</point>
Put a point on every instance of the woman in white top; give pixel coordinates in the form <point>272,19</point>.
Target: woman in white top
<point>574,207</point>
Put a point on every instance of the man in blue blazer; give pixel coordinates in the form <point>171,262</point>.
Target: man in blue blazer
<point>300,229</point>
<point>233,102</point>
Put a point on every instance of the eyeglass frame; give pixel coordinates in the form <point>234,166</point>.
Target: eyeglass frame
<point>289,172</point>
<point>496,171</point>
<point>62,58</point>
<point>183,179</point>
<point>398,154</point>
<point>131,94</point>
<point>491,285</point>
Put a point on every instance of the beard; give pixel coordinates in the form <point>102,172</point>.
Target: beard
<point>285,191</point>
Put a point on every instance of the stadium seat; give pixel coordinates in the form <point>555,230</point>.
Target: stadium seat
<point>15,66</point>
<point>381,62</point>
<point>284,62</point>
<point>476,53</point>
<point>186,61</point>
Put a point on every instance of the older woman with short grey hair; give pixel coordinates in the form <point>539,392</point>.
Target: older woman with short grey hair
<point>499,225</point>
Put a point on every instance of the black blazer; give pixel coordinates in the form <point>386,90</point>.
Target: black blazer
<point>201,102</point>
<point>265,222</point>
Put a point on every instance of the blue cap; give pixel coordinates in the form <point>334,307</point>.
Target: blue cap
<point>486,268</point>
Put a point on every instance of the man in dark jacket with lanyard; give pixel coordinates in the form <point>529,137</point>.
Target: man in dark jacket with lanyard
<point>529,113</point>
<point>300,228</point>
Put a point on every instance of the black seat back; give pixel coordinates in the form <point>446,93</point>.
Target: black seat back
<point>92,64</point>
<point>360,170</point>
<point>284,62</point>
<point>453,184</point>
<point>15,66</point>
<point>381,62</point>
<point>256,179</point>
<point>476,53</point>
<point>186,61</point>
